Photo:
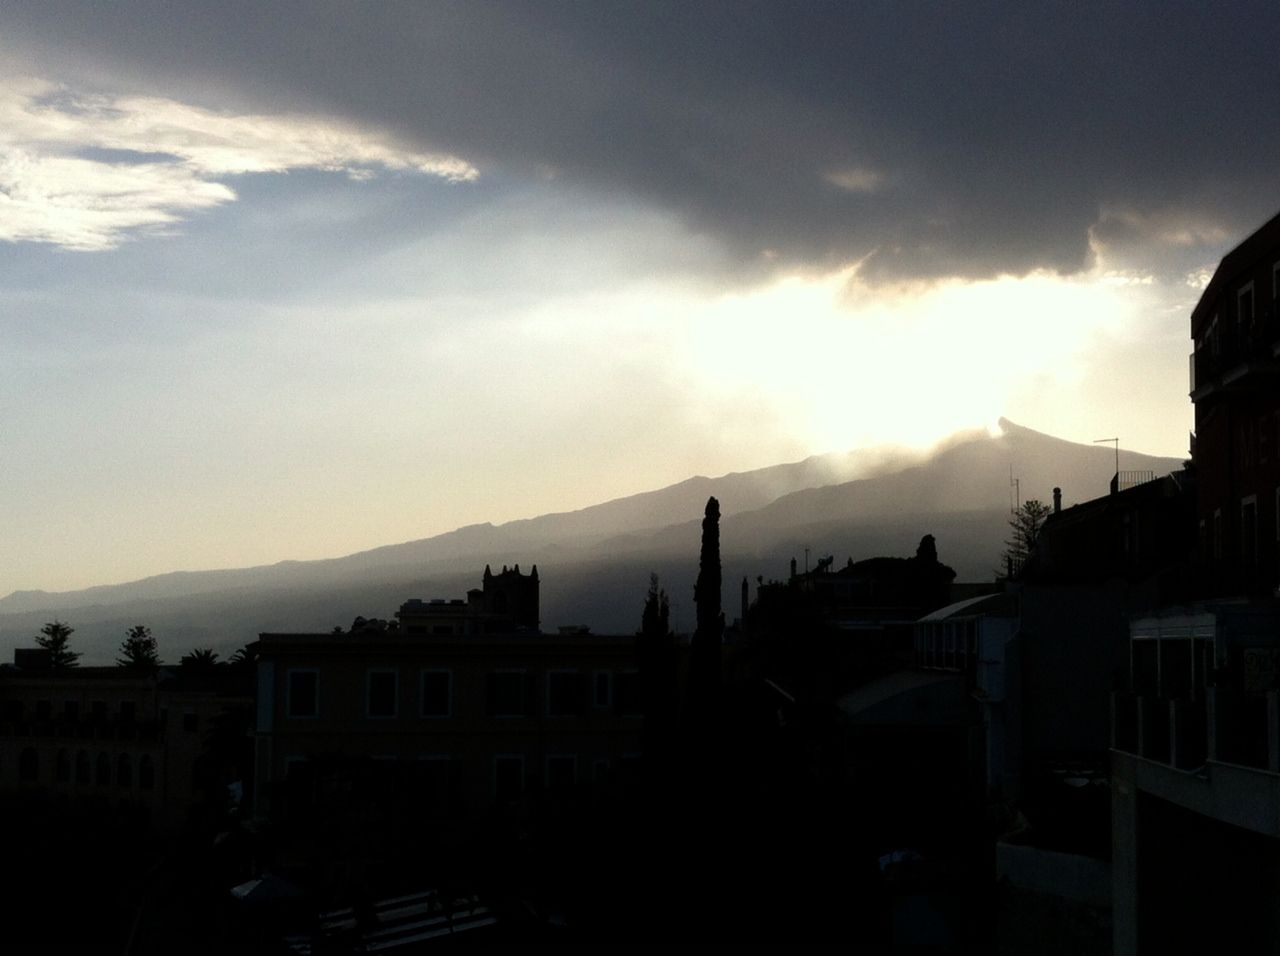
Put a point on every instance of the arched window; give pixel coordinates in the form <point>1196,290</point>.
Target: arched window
<point>64,767</point>
<point>102,776</point>
<point>28,764</point>
<point>146,773</point>
<point>124,771</point>
<point>82,768</point>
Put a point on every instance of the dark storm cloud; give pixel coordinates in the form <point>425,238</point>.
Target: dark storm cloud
<point>931,139</point>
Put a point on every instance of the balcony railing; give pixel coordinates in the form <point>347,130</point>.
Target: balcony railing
<point>1131,479</point>
<point>86,728</point>
<point>1240,349</point>
<point>1226,726</point>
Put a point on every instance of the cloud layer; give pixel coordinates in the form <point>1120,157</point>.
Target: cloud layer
<point>85,171</point>
<point>923,139</point>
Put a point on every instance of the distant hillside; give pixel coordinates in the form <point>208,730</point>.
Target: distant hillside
<point>594,563</point>
<point>739,491</point>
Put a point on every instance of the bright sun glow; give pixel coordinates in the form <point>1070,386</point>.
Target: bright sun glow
<point>907,369</point>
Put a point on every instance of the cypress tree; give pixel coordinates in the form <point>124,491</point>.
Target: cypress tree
<point>657,658</point>
<point>704,664</point>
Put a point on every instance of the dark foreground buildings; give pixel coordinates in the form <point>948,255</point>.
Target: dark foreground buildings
<point>1083,758</point>
<point>433,722</point>
<point>1196,745</point>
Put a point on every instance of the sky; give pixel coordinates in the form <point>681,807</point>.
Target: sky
<point>289,281</point>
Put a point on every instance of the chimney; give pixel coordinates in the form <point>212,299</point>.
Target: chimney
<point>1057,500</point>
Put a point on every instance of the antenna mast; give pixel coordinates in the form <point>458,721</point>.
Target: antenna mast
<point>1117,442</point>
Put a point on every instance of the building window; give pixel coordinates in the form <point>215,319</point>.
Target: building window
<point>508,779</point>
<point>381,693</point>
<point>62,770</point>
<point>28,765</point>
<point>1217,534</point>
<point>44,711</point>
<point>1249,531</point>
<point>433,784</point>
<point>128,710</point>
<point>190,722</point>
<point>627,694</point>
<point>303,693</point>
<point>506,694</point>
<point>102,775</point>
<point>297,768</point>
<point>566,694</point>
<point>602,690</point>
<point>1128,533</point>
<point>146,773</point>
<point>71,709</point>
<point>124,771</point>
<point>600,770</point>
<point>437,693</point>
<point>83,776</point>
<point>629,772</point>
<point>1244,312</point>
<point>562,771</point>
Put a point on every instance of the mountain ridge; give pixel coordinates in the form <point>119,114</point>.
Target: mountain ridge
<point>473,539</point>
<point>593,570</point>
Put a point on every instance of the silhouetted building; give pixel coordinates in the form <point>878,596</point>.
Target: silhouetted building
<point>1196,781</point>
<point>140,742</point>
<point>877,590</point>
<point>1235,385</point>
<point>1196,726</point>
<point>508,602</point>
<point>427,726</point>
<point>1139,536</point>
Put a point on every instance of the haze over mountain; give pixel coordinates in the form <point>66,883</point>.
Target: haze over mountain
<point>594,562</point>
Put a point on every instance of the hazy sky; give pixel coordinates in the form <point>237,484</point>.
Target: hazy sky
<point>290,280</point>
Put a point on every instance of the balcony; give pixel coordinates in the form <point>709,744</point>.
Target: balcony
<point>1240,362</point>
<point>1226,727</point>
<point>86,728</point>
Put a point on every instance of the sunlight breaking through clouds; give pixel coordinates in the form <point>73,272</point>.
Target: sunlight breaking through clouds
<point>55,189</point>
<point>912,367</point>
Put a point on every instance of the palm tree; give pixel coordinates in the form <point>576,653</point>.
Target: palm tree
<point>243,657</point>
<point>201,658</point>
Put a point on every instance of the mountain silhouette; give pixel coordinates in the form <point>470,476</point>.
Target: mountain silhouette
<point>595,562</point>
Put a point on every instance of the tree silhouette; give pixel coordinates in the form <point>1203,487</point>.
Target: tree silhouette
<point>138,650</point>
<point>657,660</point>
<point>245,656</point>
<point>54,637</point>
<point>200,658</point>
<point>704,652</point>
<point>1025,525</point>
